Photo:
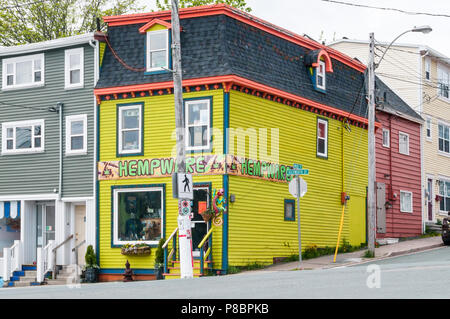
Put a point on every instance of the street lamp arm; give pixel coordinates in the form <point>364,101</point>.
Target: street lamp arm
<point>377,64</point>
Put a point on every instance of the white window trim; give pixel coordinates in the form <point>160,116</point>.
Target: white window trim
<point>429,138</point>
<point>440,70</point>
<point>407,135</point>
<point>323,74</point>
<point>446,125</point>
<point>149,69</point>
<point>116,216</point>
<point>388,145</point>
<point>14,61</point>
<point>67,54</point>
<point>119,129</point>
<point>412,202</point>
<point>325,154</point>
<point>186,126</point>
<point>69,120</point>
<point>427,69</point>
<point>13,125</point>
<point>445,180</point>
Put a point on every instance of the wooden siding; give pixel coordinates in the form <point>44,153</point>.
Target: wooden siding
<point>159,141</point>
<point>257,229</point>
<point>38,173</point>
<point>400,172</point>
<point>436,164</point>
<point>400,66</point>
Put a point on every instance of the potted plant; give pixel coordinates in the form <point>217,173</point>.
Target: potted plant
<point>208,214</point>
<point>91,268</point>
<point>159,260</point>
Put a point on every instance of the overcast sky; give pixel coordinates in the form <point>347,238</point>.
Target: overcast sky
<point>336,21</point>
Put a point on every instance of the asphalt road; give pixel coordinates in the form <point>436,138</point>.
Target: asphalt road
<point>420,275</point>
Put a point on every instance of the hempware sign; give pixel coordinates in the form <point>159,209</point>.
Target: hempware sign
<point>198,165</point>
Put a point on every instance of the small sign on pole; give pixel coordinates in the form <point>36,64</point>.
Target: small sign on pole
<point>185,186</point>
<point>298,188</point>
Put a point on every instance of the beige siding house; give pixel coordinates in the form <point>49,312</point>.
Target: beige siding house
<point>421,77</point>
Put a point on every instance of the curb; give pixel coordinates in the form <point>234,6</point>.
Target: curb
<point>389,255</point>
<point>413,250</point>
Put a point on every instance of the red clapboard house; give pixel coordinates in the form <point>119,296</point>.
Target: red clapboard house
<point>398,167</point>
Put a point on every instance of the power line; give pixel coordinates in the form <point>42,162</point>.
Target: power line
<point>402,79</point>
<point>389,9</point>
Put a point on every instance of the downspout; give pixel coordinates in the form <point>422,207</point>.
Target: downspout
<point>423,181</point>
<point>391,190</point>
<point>95,44</point>
<point>59,107</point>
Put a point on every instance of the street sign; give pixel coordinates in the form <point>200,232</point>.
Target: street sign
<point>297,172</point>
<point>185,186</point>
<point>297,166</point>
<point>293,188</point>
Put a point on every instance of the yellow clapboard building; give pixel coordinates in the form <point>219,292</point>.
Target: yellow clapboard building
<point>257,99</point>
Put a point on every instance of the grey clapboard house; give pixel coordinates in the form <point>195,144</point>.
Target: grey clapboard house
<point>48,152</point>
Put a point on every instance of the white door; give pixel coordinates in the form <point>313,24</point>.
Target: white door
<point>80,232</point>
<point>45,224</point>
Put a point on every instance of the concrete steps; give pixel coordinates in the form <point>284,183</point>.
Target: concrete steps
<point>23,278</point>
<point>66,275</point>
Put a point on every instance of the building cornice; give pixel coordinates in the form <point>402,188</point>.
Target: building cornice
<point>47,45</point>
<point>227,83</point>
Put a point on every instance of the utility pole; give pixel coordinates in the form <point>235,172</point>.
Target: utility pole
<point>371,105</point>
<point>184,221</point>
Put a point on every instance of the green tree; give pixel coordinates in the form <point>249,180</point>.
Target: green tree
<point>29,21</point>
<point>239,4</point>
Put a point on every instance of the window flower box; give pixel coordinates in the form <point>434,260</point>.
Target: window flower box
<point>136,250</point>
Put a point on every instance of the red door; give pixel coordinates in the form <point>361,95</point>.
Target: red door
<point>430,199</point>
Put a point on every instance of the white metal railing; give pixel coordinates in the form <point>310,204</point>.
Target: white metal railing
<point>12,260</point>
<point>44,261</point>
<point>54,250</point>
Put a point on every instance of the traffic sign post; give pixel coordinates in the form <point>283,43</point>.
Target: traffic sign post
<point>298,188</point>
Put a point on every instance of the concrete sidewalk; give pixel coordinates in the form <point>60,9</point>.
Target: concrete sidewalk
<point>347,259</point>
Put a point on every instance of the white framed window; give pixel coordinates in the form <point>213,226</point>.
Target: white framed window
<point>403,143</point>
<point>74,68</point>
<point>322,137</point>
<point>130,129</point>
<point>23,137</point>
<point>429,128</point>
<point>406,202</point>
<point>138,215</point>
<point>76,134</point>
<point>427,69</point>
<point>443,82</point>
<point>157,50</point>
<point>444,138</point>
<point>386,138</point>
<point>23,72</point>
<point>198,124</point>
<point>321,75</point>
<point>444,192</point>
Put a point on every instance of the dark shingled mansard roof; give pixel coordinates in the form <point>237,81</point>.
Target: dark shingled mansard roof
<point>219,45</point>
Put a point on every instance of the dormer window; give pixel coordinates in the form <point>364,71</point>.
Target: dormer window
<point>319,64</point>
<point>157,45</point>
<point>320,76</point>
<point>157,50</point>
